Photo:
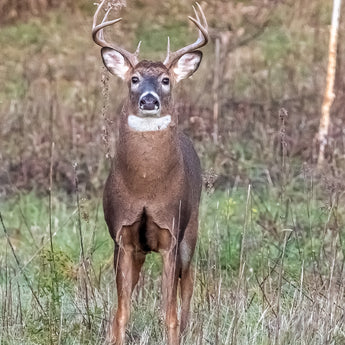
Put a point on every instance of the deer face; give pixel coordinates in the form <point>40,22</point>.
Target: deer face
<point>150,89</point>
<point>150,83</point>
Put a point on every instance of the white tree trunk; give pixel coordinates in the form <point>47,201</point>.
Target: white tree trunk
<point>329,94</point>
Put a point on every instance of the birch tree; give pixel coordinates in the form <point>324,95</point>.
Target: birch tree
<point>329,93</point>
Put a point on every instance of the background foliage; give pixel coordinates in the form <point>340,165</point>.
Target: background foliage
<point>270,258</point>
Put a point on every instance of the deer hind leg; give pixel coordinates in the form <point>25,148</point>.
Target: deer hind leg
<point>169,295</point>
<point>186,283</point>
<point>128,264</point>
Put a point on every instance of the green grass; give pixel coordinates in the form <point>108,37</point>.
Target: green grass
<point>262,259</point>
<point>155,38</point>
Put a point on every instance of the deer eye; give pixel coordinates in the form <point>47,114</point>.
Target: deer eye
<point>165,81</point>
<point>135,80</point>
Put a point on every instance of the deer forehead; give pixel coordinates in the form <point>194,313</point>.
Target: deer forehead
<point>150,69</point>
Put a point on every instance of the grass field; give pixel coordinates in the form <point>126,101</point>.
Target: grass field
<point>268,270</point>
<point>269,264</point>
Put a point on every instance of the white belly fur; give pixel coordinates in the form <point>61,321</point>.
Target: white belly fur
<point>146,124</point>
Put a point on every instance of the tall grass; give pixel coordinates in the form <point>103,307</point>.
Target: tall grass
<point>259,278</point>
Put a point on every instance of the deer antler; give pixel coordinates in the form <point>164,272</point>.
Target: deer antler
<point>200,42</point>
<point>98,35</point>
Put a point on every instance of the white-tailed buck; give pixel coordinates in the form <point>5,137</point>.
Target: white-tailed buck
<point>151,197</point>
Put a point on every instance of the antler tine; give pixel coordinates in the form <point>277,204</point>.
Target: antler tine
<point>168,46</point>
<point>202,39</point>
<point>101,32</point>
<point>196,13</point>
<point>98,35</point>
<point>95,16</point>
<point>203,16</point>
<point>205,25</point>
<point>137,51</point>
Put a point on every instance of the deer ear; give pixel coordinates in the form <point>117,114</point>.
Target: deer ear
<point>186,65</point>
<point>115,62</point>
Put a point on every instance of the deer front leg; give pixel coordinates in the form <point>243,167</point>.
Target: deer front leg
<point>128,264</point>
<point>169,295</point>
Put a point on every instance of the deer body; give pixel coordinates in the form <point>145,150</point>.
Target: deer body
<point>156,173</point>
<point>151,197</point>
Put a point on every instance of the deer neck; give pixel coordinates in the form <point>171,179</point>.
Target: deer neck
<point>145,157</point>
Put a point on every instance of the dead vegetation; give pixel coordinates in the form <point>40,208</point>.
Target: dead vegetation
<point>12,10</point>
<point>270,56</point>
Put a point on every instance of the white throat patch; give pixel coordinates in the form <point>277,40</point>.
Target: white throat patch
<point>146,124</point>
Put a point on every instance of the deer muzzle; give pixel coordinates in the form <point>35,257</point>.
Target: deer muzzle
<point>149,104</point>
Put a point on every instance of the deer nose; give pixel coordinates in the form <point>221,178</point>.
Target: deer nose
<point>149,102</point>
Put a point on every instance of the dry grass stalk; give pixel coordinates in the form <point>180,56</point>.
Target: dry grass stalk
<point>114,5</point>
<point>20,266</point>
<point>107,122</point>
<point>215,92</point>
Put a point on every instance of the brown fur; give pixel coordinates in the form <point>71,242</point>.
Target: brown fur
<point>151,67</point>
<point>151,201</point>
